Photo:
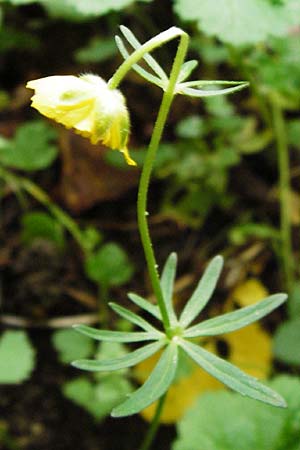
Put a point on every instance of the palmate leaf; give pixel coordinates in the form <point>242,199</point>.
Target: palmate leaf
<point>238,319</point>
<point>156,385</point>
<point>203,292</point>
<point>145,304</point>
<point>231,375</point>
<point>117,336</point>
<point>122,362</point>
<point>132,317</point>
<point>167,286</point>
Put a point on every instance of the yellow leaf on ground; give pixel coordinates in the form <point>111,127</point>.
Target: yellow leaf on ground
<point>248,292</point>
<point>250,349</point>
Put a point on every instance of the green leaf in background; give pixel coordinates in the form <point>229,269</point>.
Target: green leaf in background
<point>82,392</point>
<point>39,224</point>
<point>220,420</point>
<point>286,342</point>
<point>191,127</point>
<point>92,237</point>
<point>78,10</point>
<point>11,39</point>
<point>242,232</point>
<point>18,2</point>
<point>96,51</point>
<point>31,148</point>
<point>111,391</point>
<point>240,23</point>
<point>61,9</point>
<point>271,77</point>
<point>99,7</point>
<point>17,357</point>
<point>4,101</point>
<point>71,345</point>
<point>106,390</point>
<point>97,398</point>
<point>109,266</point>
<point>219,106</point>
<point>211,52</point>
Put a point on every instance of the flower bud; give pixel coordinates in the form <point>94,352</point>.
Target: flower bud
<point>88,105</point>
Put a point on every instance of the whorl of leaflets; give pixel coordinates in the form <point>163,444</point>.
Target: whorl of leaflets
<point>181,335</point>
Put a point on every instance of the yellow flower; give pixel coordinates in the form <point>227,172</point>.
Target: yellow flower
<point>88,105</point>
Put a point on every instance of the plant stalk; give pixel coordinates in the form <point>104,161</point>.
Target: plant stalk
<point>152,430</point>
<point>284,193</point>
<point>167,99</point>
<point>142,213</point>
<point>146,174</point>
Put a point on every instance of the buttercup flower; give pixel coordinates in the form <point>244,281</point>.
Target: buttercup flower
<point>88,105</point>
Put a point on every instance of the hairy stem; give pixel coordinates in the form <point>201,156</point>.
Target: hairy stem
<point>146,174</point>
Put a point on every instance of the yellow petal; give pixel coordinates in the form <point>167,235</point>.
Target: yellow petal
<point>129,160</point>
<point>88,105</point>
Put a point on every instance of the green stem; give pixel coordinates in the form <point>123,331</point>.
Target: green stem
<point>151,433</point>
<point>146,174</point>
<point>38,194</point>
<point>167,99</point>
<point>284,192</point>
